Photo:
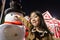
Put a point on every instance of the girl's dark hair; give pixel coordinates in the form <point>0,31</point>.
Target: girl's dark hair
<point>42,23</point>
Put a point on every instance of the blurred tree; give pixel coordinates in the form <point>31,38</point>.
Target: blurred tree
<point>0,6</point>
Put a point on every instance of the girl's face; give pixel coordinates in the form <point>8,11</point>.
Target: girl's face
<point>35,19</point>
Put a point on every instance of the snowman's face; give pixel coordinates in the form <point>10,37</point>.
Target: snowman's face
<point>16,14</point>
<point>13,16</point>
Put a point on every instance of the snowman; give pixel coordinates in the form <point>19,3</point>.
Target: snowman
<point>12,28</point>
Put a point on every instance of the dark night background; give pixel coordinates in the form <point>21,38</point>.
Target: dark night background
<point>53,6</point>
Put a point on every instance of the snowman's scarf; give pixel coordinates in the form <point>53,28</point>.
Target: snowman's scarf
<point>16,22</point>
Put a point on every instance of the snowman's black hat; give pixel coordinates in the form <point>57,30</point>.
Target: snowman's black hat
<point>15,6</point>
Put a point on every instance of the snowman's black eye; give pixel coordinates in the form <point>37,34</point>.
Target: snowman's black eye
<point>11,14</point>
<point>16,35</point>
<point>16,16</point>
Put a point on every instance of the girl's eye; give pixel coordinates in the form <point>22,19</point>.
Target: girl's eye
<point>35,16</point>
